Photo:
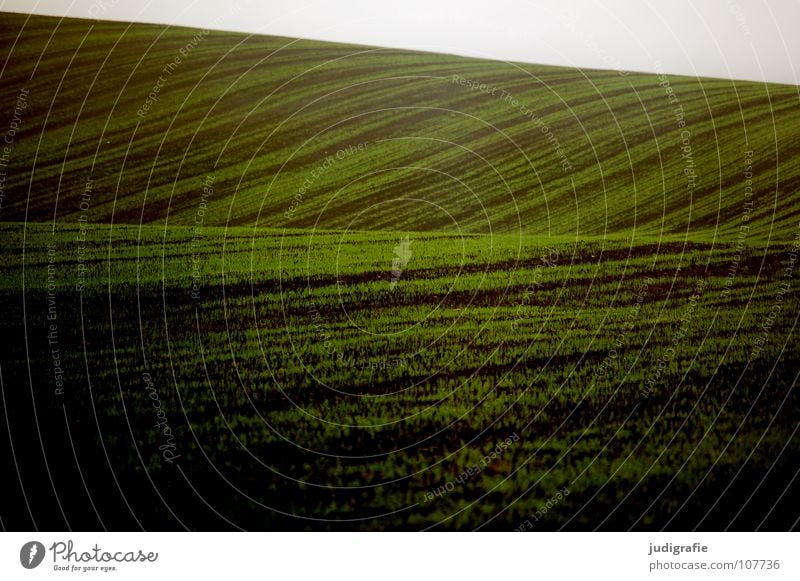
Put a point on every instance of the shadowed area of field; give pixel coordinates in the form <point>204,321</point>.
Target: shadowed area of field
<point>288,389</point>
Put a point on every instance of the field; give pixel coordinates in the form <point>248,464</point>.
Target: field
<point>315,286</point>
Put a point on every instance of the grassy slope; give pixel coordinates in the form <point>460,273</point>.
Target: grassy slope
<point>484,353</point>
<point>260,113</point>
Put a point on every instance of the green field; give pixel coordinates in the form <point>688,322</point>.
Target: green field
<point>316,286</point>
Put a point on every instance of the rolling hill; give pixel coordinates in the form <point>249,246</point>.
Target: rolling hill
<point>139,115</point>
<point>259,283</point>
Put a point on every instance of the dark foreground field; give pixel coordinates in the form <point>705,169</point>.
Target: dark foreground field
<point>497,383</point>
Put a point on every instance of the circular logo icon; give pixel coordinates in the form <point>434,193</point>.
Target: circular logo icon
<point>31,554</point>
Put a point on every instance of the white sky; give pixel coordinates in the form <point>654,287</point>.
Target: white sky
<point>742,39</point>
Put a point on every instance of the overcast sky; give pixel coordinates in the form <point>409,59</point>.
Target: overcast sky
<point>742,39</point>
